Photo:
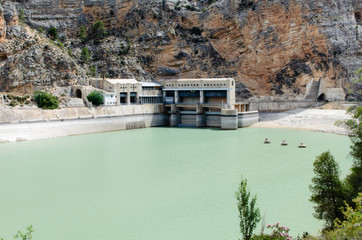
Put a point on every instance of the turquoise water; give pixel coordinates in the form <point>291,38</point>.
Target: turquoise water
<point>159,183</point>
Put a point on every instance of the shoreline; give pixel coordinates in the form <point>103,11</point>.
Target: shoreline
<point>320,120</point>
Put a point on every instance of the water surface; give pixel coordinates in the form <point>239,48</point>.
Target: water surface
<point>159,183</point>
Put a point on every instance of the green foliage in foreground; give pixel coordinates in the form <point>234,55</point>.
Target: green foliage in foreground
<point>354,127</point>
<point>327,189</point>
<point>249,213</point>
<point>279,232</point>
<point>46,100</point>
<point>351,227</point>
<point>96,98</point>
<point>28,235</point>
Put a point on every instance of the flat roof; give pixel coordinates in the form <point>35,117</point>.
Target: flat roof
<point>122,81</point>
<point>199,79</point>
<point>150,84</point>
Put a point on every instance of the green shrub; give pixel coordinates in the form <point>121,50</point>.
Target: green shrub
<point>59,44</point>
<point>96,98</point>
<point>98,31</point>
<point>46,100</point>
<point>13,103</point>
<point>351,227</point>
<point>53,33</point>
<point>40,30</point>
<point>93,71</point>
<point>70,53</point>
<point>125,49</point>
<point>21,15</point>
<point>85,54</point>
<point>82,33</point>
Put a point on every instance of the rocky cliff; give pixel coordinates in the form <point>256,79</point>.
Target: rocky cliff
<point>271,47</point>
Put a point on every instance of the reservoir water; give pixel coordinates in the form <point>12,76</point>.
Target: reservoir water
<point>159,183</point>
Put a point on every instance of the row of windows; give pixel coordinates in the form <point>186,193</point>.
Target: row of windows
<point>151,88</point>
<point>125,87</point>
<point>196,85</point>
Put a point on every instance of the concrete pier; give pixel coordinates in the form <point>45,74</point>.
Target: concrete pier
<point>246,119</point>
<point>229,119</point>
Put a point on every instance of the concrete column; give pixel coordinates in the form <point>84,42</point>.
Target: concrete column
<point>200,117</point>
<point>229,119</point>
<point>174,118</point>
<point>128,101</point>
<point>117,94</point>
<point>176,97</point>
<point>164,96</point>
<point>201,96</point>
<point>228,98</point>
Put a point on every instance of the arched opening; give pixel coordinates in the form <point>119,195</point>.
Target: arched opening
<point>321,98</point>
<point>78,93</point>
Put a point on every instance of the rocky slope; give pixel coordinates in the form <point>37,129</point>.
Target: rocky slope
<point>271,47</point>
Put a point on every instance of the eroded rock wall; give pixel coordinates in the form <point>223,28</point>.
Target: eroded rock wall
<point>269,47</point>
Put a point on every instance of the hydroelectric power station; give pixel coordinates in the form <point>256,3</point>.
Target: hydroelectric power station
<point>203,102</point>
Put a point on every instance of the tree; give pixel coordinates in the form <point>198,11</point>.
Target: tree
<point>98,31</point>
<point>46,100</point>
<point>21,15</point>
<point>249,214</point>
<point>85,54</point>
<point>82,33</point>
<point>53,32</point>
<point>327,189</point>
<point>354,127</point>
<point>96,98</point>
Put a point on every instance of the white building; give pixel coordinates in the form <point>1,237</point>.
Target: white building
<point>109,98</point>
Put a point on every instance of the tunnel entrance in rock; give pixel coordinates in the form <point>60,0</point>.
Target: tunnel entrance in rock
<point>358,16</point>
<point>78,93</point>
<point>322,98</point>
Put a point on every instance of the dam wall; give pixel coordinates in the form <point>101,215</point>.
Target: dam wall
<point>128,116</point>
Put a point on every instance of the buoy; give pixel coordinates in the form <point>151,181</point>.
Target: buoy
<point>266,140</point>
<point>284,143</point>
<point>301,145</point>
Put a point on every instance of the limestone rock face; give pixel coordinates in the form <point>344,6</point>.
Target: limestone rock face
<point>2,26</point>
<point>269,47</point>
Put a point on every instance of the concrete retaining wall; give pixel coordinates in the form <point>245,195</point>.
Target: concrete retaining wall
<point>246,119</point>
<point>279,106</point>
<point>40,115</point>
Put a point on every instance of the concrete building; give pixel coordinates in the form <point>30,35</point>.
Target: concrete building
<point>151,93</point>
<point>109,98</point>
<point>205,102</point>
<point>128,91</point>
